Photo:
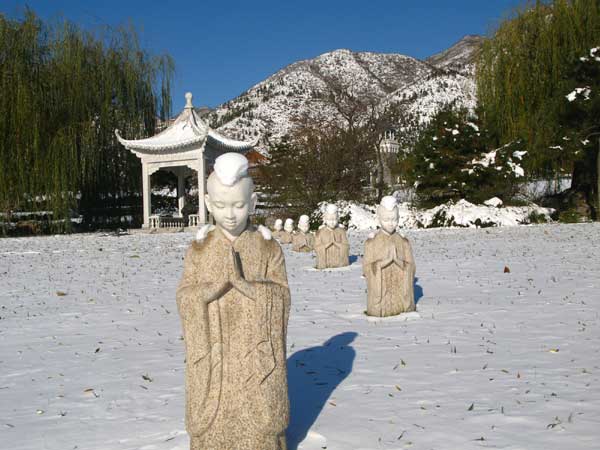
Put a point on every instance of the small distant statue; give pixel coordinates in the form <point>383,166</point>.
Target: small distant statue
<point>389,266</point>
<point>331,242</point>
<point>286,234</point>
<point>303,240</point>
<point>234,304</point>
<point>278,229</point>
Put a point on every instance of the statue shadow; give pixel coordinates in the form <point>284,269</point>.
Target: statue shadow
<point>313,374</point>
<point>418,291</point>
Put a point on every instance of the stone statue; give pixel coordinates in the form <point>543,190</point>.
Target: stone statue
<point>286,235</point>
<point>278,229</point>
<point>234,304</point>
<point>389,266</point>
<point>331,242</point>
<point>303,240</point>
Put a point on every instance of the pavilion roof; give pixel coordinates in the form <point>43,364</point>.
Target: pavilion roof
<point>186,131</point>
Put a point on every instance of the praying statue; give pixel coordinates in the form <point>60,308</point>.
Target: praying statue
<point>286,235</point>
<point>331,242</point>
<point>303,240</point>
<point>234,304</point>
<point>278,229</point>
<point>389,266</point>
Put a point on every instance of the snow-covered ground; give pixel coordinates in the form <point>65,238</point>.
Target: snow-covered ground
<point>91,355</point>
<point>451,214</point>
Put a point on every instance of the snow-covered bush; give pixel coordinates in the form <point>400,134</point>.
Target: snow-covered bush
<point>453,160</point>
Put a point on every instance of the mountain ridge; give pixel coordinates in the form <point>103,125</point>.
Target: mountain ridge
<point>271,107</point>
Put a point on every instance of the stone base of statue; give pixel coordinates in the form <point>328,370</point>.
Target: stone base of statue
<point>303,242</point>
<point>332,248</point>
<point>389,268</point>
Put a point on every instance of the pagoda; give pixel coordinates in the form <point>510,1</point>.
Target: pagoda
<point>187,144</point>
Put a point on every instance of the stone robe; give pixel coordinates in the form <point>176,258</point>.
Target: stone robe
<point>283,236</point>
<point>332,248</point>
<point>391,287</point>
<point>236,378</point>
<point>303,242</point>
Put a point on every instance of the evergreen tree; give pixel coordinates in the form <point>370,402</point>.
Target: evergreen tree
<point>452,160</point>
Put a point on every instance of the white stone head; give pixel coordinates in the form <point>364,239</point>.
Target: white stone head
<point>289,225</point>
<point>330,216</point>
<point>304,223</point>
<point>230,194</point>
<point>278,225</point>
<point>387,214</point>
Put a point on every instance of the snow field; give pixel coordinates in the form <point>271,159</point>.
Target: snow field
<point>503,352</point>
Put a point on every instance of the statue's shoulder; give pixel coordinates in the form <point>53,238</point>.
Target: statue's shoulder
<point>342,226</point>
<point>202,235</point>
<point>266,234</point>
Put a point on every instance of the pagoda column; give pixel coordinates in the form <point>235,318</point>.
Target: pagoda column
<point>181,190</point>
<point>201,189</point>
<point>146,198</point>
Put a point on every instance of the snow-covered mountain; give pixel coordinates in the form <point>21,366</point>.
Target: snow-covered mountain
<point>271,107</point>
<point>460,57</point>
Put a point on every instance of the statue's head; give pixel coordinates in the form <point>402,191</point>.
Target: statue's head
<point>387,213</point>
<point>304,223</point>
<point>289,225</point>
<point>230,194</point>
<point>330,216</point>
<point>278,225</point>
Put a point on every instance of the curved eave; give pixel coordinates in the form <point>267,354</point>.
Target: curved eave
<point>148,145</point>
<point>223,143</point>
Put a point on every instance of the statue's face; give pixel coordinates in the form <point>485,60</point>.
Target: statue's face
<point>303,226</point>
<point>388,220</point>
<point>330,220</point>
<point>278,225</point>
<point>231,205</point>
<point>289,226</point>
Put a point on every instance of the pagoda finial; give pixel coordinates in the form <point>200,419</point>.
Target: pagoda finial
<point>188,100</point>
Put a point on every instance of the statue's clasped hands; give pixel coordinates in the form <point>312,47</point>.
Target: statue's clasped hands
<point>237,280</point>
<point>391,259</point>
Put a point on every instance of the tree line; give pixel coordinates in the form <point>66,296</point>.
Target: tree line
<point>537,115</point>
<point>63,91</point>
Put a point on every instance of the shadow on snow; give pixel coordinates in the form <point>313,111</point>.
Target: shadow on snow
<point>313,374</point>
<point>418,291</point>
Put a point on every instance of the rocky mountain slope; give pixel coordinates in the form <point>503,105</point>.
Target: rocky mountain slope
<point>272,107</point>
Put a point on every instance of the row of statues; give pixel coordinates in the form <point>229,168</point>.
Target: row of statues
<point>388,263</point>
<point>234,304</point>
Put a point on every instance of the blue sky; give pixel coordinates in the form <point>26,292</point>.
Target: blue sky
<point>223,48</point>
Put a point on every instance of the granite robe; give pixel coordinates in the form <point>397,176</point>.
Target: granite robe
<point>285,237</point>
<point>332,248</point>
<point>236,378</point>
<point>303,242</point>
<point>391,287</point>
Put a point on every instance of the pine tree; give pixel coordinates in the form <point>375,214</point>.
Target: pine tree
<point>452,160</point>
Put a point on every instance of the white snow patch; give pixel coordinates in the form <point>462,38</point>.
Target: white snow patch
<point>494,201</point>
<point>459,214</point>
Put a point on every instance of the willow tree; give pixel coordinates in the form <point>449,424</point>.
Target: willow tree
<point>524,73</point>
<point>63,91</point>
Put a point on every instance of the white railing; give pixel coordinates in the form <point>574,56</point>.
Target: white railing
<point>193,220</point>
<point>156,221</point>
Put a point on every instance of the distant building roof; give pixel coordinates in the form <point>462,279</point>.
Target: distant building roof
<point>187,130</point>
